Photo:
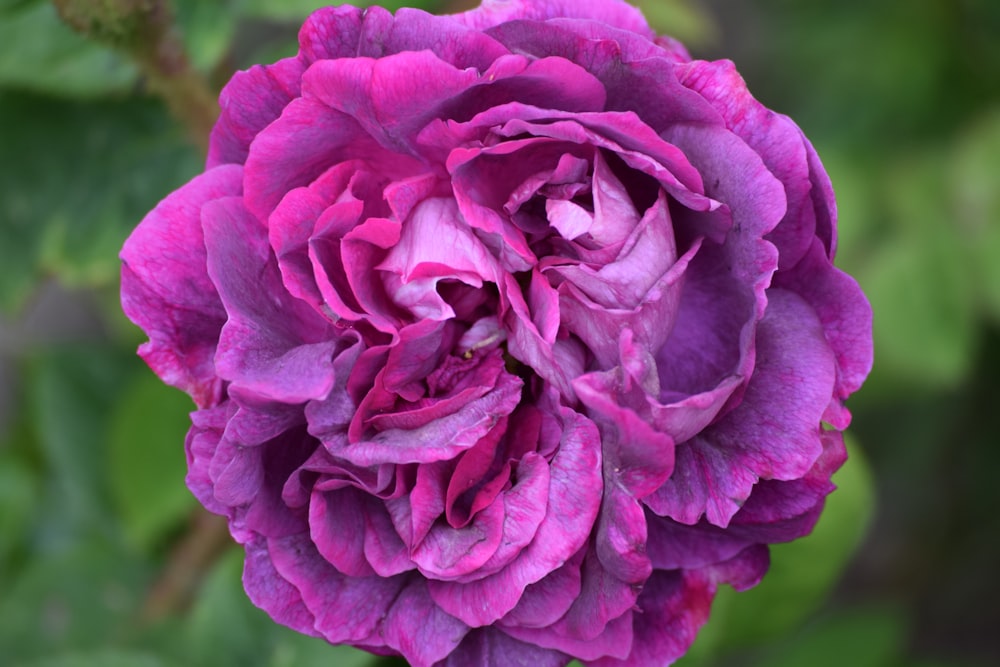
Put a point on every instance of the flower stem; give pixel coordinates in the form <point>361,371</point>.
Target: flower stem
<point>145,31</point>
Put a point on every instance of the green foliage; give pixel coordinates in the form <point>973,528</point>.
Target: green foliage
<point>42,54</point>
<point>79,598</point>
<point>57,213</point>
<point>146,465</point>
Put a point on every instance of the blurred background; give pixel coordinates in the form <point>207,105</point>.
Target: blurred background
<point>105,558</point>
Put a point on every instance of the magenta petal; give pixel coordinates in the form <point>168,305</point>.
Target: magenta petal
<point>773,434</point>
<point>376,547</point>
<point>574,475</point>
<point>672,545</point>
<point>618,14</point>
<point>614,640</point>
<point>489,647</point>
<point>298,147</point>
<point>418,629</point>
<point>346,609</point>
<point>435,243</point>
<point>270,591</point>
<point>273,346</point>
<point>166,289</point>
<point>200,445</point>
<point>600,620</point>
<point>442,438</point>
<point>774,137</point>
<point>846,317</point>
<point>674,606</point>
<point>546,601</point>
<point>249,103</point>
<point>383,95</point>
<point>332,515</point>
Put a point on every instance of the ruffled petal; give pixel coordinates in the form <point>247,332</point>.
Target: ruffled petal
<point>166,289</point>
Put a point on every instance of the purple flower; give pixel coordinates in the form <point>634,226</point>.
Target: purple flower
<point>513,334</point>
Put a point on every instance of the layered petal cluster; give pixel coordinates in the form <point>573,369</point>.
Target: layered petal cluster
<point>513,334</point>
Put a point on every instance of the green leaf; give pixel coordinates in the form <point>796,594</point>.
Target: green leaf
<point>18,499</point>
<point>102,658</point>
<point>855,637</point>
<point>83,177</point>
<point>680,19</point>
<point>976,204</point>
<point>207,29</point>
<point>802,572</point>
<point>146,459</point>
<point>921,285</point>
<point>79,599</point>
<point>41,53</point>
<point>70,393</point>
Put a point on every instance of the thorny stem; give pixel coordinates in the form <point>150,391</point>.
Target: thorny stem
<point>145,31</point>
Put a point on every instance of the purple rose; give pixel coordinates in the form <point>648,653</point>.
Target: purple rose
<point>513,334</point>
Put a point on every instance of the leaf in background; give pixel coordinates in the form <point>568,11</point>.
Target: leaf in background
<point>681,19</point>
<point>855,637</point>
<point>18,499</point>
<point>71,391</point>
<point>802,572</point>
<point>42,54</point>
<point>921,285</point>
<point>78,599</point>
<point>80,177</point>
<point>207,29</point>
<point>976,199</point>
<point>102,658</point>
<point>146,459</point>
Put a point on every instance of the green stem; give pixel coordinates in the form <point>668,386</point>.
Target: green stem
<point>144,30</point>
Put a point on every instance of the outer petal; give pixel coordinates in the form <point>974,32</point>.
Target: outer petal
<point>346,609</point>
<point>166,289</point>
<point>846,317</point>
<point>773,434</point>
<point>249,103</point>
<point>490,647</point>
<point>772,136</point>
<point>418,629</point>
<point>611,12</point>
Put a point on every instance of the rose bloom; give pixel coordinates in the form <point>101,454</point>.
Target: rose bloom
<point>513,334</point>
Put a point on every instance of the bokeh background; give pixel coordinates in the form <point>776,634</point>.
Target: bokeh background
<point>105,558</point>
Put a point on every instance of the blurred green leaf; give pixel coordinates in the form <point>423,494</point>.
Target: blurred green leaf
<point>81,598</point>
<point>71,392</point>
<point>802,572</point>
<point>80,177</point>
<point>42,54</point>
<point>18,499</point>
<point>207,29</point>
<point>681,19</point>
<point>102,658</point>
<point>976,199</point>
<point>855,637</point>
<point>146,459</point>
<point>921,284</point>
